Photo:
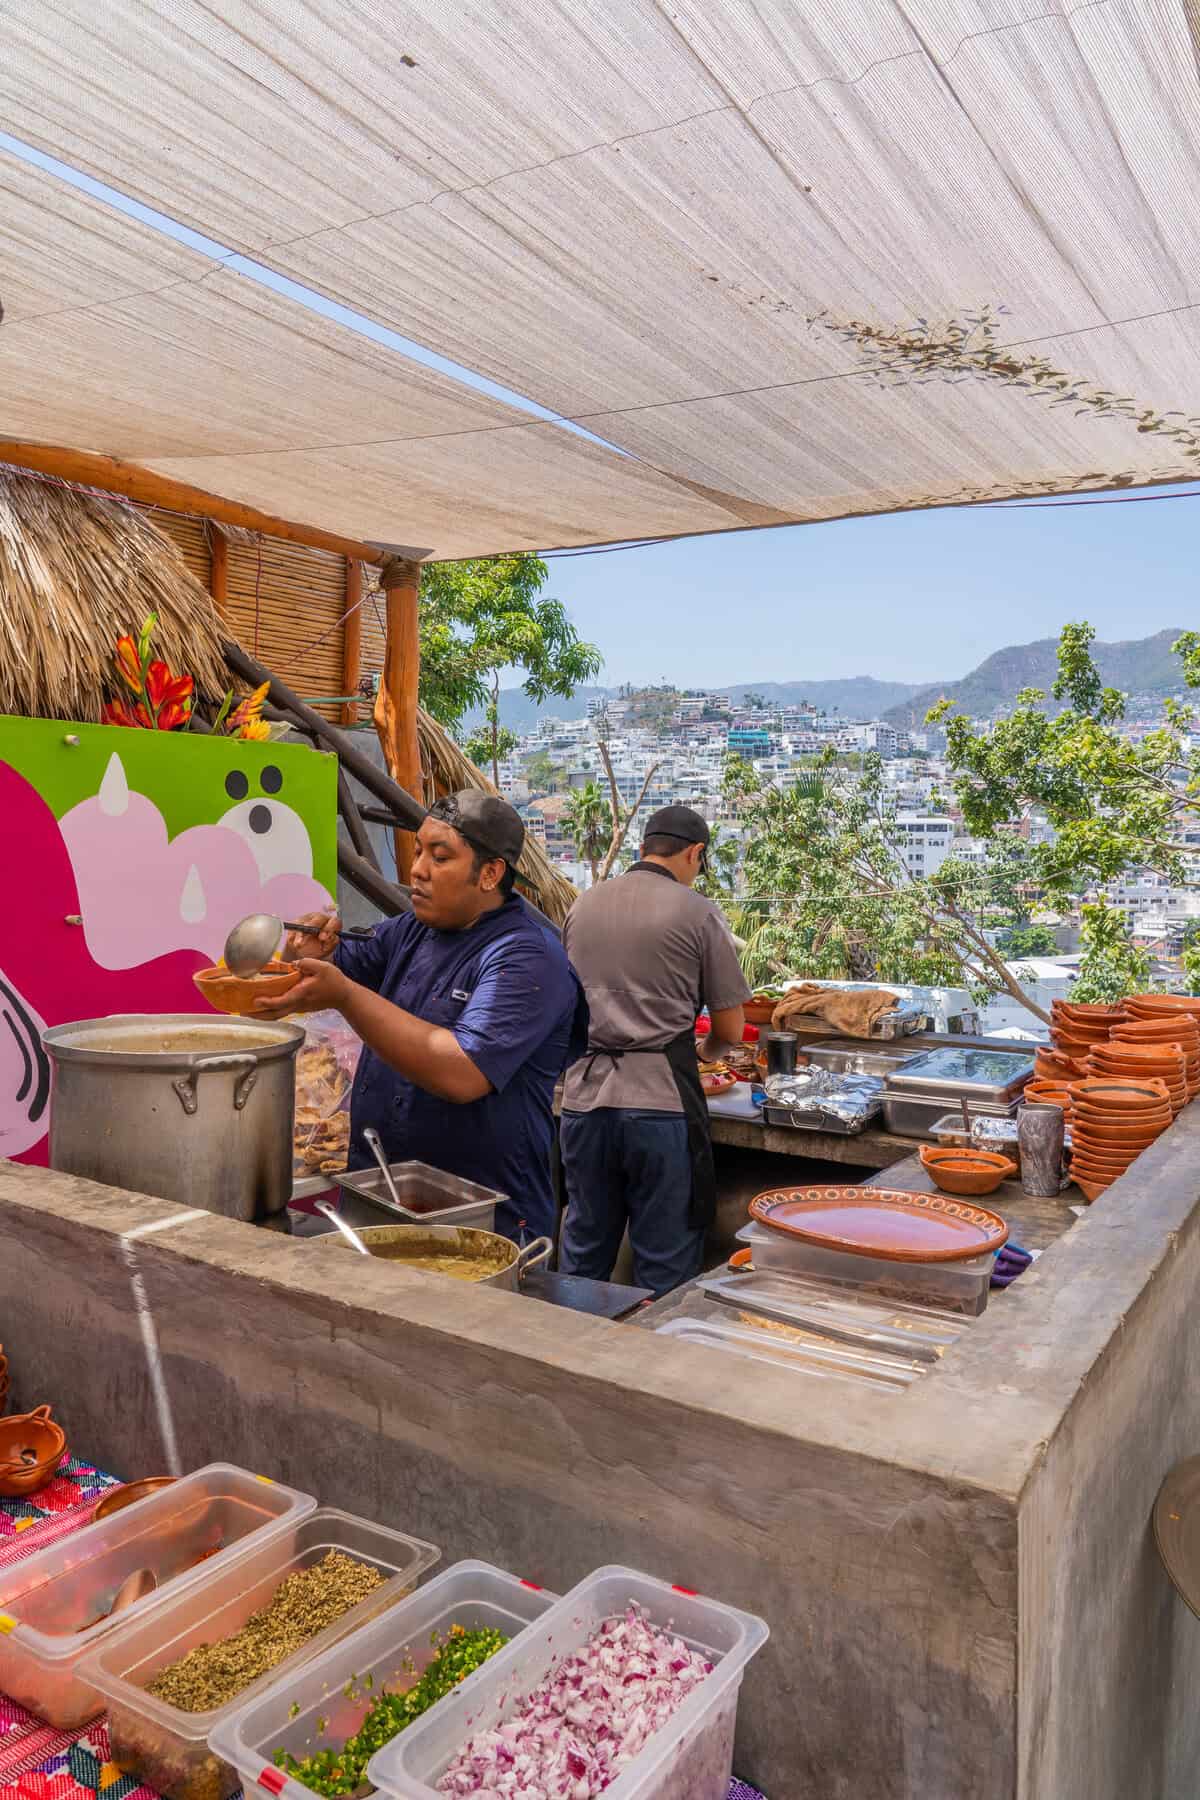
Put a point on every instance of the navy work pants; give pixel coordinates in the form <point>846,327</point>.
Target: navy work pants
<point>625,1166</point>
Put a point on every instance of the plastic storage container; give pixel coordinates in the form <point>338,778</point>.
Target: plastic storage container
<point>893,1327</point>
<point>167,1748</point>
<point>54,1604</point>
<point>953,1286</point>
<point>799,1354</point>
<point>690,1758</point>
<point>428,1196</point>
<point>325,1702</point>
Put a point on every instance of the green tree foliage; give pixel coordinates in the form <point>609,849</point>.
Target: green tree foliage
<point>542,773</point>
<point>1026,940</point>
<point>1116,806</point>
<point>489,744</point>
<point>1111,966</point>
<point>486,615</point>
<point>828,893</point>
<point>586,820</point>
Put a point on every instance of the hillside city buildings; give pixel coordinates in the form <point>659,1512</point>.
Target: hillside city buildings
<point>686,738</point>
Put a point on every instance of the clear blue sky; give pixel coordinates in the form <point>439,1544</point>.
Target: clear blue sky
<point>917,597</point>
<point>914,597</point>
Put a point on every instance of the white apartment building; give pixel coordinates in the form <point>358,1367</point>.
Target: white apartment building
<point>924,843</point>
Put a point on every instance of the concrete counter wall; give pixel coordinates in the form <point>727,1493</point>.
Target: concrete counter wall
<point>888,1540</point>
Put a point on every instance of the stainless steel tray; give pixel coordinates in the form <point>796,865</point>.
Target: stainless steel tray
<point>997,1076</point>
<point>813,1121</point>
<point>915,1115</point>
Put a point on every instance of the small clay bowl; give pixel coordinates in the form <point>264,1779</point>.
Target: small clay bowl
<point>1120,1092</point>
<point>758,1012</point>
<point>1073,1047</point>
<point>1086,1163</point>
<point>1150,1006</point>
<point>237,993</point>
<point>1090,1188</point>
<point>1149,1031</point>
<point>31,1448</point>
<point>1091,1132</point>
<point>966,1172</point>
<point>1048,1067</point>
<point>1101,1149</point>
<point>1121,1116</point>
<point>118,1498</point>
<point>1086,1012</point>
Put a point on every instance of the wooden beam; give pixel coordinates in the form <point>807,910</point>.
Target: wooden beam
<point>352,638</point>
<point>340,742</point>
<point>218,570</point>
<point>396,702</point>
<point>359,836</point>
<point>116,476</point>
<point>377,888</point>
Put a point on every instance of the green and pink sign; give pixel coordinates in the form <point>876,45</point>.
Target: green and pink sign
<point>159,842</point>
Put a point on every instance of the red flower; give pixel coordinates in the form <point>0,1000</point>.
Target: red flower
<point>165,689</point>
<point>175,713</point>
<point>117,713</point>
<point>129,664</point>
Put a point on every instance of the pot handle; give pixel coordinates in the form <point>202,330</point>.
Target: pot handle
<point>1011,1169</point>
<point>533,1255</point>
<point>185,1087</point>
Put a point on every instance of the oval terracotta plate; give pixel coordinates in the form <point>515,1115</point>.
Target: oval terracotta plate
<point>885,1222</point>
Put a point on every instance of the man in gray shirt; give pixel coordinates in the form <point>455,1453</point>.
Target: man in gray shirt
<point>636,1150</point>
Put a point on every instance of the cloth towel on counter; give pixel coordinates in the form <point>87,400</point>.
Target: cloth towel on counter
<point>849,1010</point>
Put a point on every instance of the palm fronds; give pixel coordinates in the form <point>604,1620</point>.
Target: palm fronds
<point>78,570</point>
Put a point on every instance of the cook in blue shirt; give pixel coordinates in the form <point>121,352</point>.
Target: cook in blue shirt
<point>468,1011</point>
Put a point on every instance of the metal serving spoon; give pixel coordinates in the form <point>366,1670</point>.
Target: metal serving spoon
<point>375,1144</point>
<point>335,1218</point>
<point>251,945</point>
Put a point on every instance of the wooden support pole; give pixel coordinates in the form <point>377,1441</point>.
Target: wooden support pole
<point>352,638</point>
<point>114,475</point>
<point>218,569</point>
<point>396,702</point>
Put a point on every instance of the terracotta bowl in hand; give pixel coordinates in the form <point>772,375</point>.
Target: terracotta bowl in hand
<point>237,993</point>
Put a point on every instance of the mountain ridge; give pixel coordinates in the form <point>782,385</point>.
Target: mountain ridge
<point>1135,665</point>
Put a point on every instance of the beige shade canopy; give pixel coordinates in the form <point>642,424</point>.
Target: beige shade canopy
<point>747,244</point>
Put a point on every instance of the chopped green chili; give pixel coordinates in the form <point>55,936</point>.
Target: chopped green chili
<point>339,1772</point>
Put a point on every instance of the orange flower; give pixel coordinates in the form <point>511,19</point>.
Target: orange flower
<point>255,731</point>
<point>174,714</point>
<point>117,713</point>
<point>129,664</point>
<point>165,689</point>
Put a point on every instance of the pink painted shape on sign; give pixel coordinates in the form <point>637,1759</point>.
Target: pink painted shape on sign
<point>145,894</point>
<point>48,970</point>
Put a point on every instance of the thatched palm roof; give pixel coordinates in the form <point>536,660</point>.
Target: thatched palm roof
<point>448,771</point>
<point>77,571</point>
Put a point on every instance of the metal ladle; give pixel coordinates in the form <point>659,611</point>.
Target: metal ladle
<point>251,945</point>
<point>335,1218</point>
<point>375,1144</point>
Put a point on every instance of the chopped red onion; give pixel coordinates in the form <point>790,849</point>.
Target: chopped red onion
<point>586,1720</point>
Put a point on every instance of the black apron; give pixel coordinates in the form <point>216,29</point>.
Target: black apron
<point>685,1070</point>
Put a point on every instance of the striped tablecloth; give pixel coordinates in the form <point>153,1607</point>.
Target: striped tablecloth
<point>38,1762</point>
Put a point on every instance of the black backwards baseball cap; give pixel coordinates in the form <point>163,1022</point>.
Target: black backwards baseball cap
<point>488,823</point>
<point>682,823</point>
